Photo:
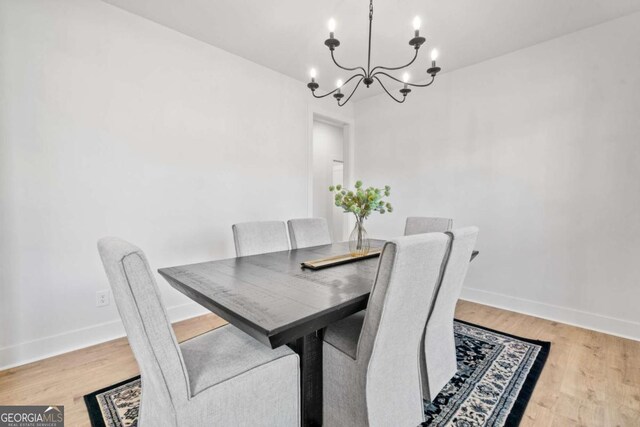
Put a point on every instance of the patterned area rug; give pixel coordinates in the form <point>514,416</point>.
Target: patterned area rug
<point>496,376</point>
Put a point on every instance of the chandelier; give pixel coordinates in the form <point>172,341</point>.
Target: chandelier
<point>371,75</point>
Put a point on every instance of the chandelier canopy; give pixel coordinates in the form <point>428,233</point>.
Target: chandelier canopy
<point>371,75</point>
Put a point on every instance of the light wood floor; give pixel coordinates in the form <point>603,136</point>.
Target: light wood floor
<point>590,379</point>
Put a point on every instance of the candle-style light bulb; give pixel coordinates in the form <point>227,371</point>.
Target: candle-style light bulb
<point>405,79</point>
<point>339,84</point>
<point>416,23</point>
<point>434,56</point>
<point>332,27</point>
<point>312,73</point>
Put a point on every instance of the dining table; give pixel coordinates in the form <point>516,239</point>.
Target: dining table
<point>278,302</point>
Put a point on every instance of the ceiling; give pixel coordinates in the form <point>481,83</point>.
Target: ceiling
<point>288,35</point>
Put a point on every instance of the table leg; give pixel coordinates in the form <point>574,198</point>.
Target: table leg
<point>309,348</point>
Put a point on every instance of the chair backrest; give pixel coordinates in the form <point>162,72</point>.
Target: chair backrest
<point>463,240</point>
<point>307,232</point>
<point>439,346</point>
<point>259,237</point>
<point>424,224</point>
<point>389,343</point>
<point>145,320</point>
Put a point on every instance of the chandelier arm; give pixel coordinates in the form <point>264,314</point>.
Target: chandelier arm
<point>347,68</point>
<point>322,96</point>
<point>389,93</point>
<point>424,85</point>
<point>352,92</point>
<point>336,89</point>
<point>415,56</point>
<point>351,78</point>
<point>408,84</point>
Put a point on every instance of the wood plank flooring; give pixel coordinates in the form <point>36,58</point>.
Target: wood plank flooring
<point>590,379</point>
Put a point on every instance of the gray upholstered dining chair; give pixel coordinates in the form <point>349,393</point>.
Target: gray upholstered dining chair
<point>307,232</point>
<point>371,360</point>
<point>259,237</point>
<point>438,364</point>
<point>424,224</point>
<point>220,378</point>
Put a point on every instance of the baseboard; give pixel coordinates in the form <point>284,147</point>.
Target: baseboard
<point>42,348</point>
<point>596,322</point>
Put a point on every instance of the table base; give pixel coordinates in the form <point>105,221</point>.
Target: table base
<point>309,348</point>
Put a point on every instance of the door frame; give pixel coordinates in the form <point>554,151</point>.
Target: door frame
<point>335,215</point>
<point>348,137</point>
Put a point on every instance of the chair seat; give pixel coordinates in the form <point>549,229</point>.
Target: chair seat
<point>224,353</point>
<point>345,333</point>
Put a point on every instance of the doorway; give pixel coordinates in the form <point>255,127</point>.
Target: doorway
<point>328,168</point>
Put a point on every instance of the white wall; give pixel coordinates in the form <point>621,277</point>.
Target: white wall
<point>539,148</point>
<point>113,125</point>
<point>328,145</point>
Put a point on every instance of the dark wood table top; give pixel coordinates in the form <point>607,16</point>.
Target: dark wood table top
<point>273,299</point>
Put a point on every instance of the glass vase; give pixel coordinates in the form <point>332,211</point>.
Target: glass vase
<point>359,244</point>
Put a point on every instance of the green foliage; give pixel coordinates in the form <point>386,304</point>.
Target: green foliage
<point>362,201</point>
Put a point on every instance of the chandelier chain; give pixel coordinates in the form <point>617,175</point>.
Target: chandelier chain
<point>370,24</point>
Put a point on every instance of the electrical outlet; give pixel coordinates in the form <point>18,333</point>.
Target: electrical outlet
<point>102,298</point>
